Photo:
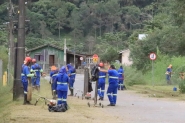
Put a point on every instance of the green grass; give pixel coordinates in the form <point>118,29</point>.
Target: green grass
<point>6,99</point>
<point>153,80</point>
<point>158,91</point>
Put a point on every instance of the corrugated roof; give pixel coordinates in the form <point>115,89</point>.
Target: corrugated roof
<point>56,47</point>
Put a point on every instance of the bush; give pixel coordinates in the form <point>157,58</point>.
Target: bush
<point>182,86</point>
<point>4,57</point>
<point>132,76</point>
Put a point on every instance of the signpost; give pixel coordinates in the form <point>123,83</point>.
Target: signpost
<point>95,61</point>
<point>95,58</point>
<point>152,57</point>
<point>81,58</point>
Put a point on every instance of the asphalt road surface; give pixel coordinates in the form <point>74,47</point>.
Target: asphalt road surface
<point>139,108</point>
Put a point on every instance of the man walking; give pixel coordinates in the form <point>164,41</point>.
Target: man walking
<point>72,75</point>
<point>121,78</point>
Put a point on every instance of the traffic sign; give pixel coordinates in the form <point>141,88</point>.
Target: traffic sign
<point>95,58</point>
<point>152,56</point>
<point>81,58</point>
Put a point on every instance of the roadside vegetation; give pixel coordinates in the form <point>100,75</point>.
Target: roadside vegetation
<point>153,80</point>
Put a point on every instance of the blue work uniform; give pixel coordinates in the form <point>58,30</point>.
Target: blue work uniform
<point>121,78</point>
<point>113,85</point>
<point>168,75</point>
<point>61,83</point>
<point>37,70</point>
<point>101,84</point>
<point>24,77</point>
<point>53,75</point>
<point>72,75</point>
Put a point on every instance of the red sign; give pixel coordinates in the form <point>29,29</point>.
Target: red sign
<point>95,56</point>
<point>152,56</point>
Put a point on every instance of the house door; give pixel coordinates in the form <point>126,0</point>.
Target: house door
<point>51,60</point>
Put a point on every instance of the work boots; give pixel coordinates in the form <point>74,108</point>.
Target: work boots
<point>25,101</point>
<point>71,90</point>
<point>33,88</point>
<point>38,88</point>
<point>111,104</point>
<point>54,95</point>
<point>101,98</point>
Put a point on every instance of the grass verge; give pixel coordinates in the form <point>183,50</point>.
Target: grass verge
<point>158,91</point>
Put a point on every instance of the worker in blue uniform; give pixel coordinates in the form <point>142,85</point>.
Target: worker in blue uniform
<point>37,70</point>
<point>113,84</point>
<point>72,75</point>
<point>25,74</point>
<point>61,85</point>
<point>121,78</point>
<point>168,74</point>
<point>101,83</point>
<point>53,75</point>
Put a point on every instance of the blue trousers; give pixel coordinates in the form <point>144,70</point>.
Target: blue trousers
<point>120,84</point>
<point>112,93</point>
<point>71,83</point>
<point>101,89</point>
<point>168,78</point>
<point>53,86</point>
<point>25,87</point>
<point>62,97</point>
<point>36,81</point>
<point>33,81</point>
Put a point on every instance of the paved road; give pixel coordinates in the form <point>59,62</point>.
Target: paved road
<point>138,108</point>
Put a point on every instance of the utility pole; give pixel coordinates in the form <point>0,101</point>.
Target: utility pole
<point>20,52</point>
<point>65,51</point>
<point>74,49</point>
<point>11,41</point>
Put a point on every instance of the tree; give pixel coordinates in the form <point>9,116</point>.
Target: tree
<point>110,56</point>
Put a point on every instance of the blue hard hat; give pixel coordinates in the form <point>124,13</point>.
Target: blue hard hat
<point>62,69</point>
<point>69,66</point>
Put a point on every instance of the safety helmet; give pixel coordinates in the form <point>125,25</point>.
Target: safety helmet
<point>101,64</point>
<point>53,67</point>
<point>27,59</point>
<point>33,60</point>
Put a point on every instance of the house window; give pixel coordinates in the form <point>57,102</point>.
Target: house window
<point>89,60</point>
<point>39,57</point>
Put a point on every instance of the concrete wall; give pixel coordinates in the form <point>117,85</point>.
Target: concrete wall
<point>125,58</point>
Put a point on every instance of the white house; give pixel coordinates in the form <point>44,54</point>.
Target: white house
<point>124,57</point>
